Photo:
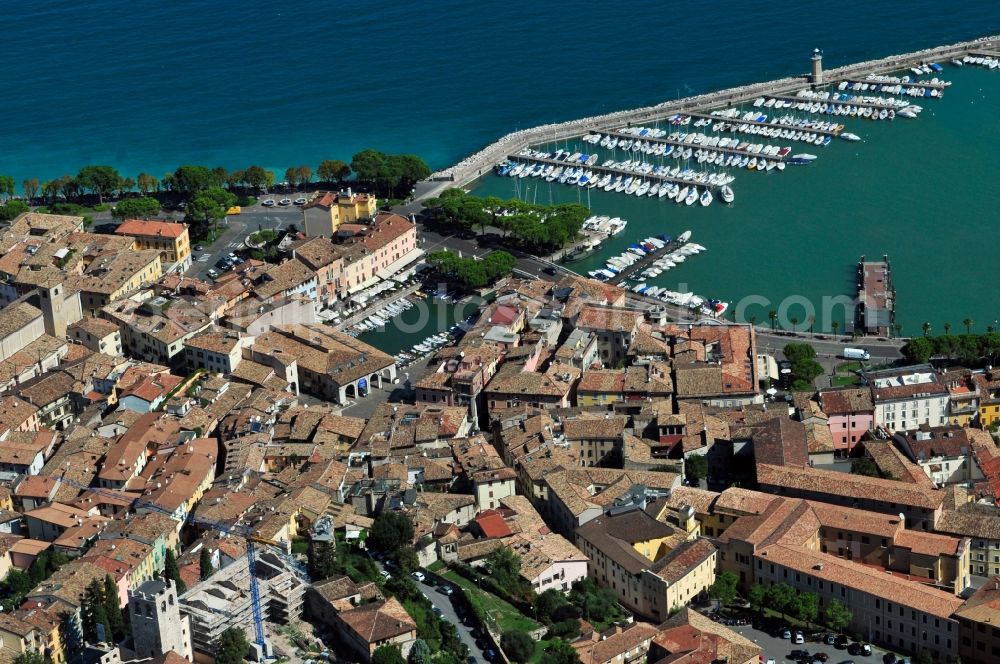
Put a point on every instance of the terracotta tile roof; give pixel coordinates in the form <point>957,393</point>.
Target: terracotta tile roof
<point>16,316</point>
<point>984,605</point>
<point>603,649</point>
<point>591,428</point>
<point>608,318</point>
<point>891,461</point>
<point>971,520</point>
<point>378,621</point>
<point>780,442</point>
<point>143,228</point>
<point>813,480</point>
<point>691,638</point>
<point>385,228</point>
<point>846,401</point>
<point>862,578</point>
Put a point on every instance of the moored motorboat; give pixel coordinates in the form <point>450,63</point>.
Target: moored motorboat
<point>726,194</point>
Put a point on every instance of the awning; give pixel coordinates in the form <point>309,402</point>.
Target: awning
<point>370,281</point>
<point>399,264</point>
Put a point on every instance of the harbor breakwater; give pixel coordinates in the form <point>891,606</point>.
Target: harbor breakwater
<point>474,166</point>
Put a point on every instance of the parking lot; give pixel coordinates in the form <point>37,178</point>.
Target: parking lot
<point>781,649</point>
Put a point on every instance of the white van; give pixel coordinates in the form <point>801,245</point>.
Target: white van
<point>856,354</point>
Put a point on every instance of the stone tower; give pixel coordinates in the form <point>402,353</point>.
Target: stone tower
<point>59,309</point>
<point>817,67</point>
<point>157,624</point>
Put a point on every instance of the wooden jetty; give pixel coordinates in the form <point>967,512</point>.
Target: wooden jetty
<point>645,262</point>
<point>875,313</point>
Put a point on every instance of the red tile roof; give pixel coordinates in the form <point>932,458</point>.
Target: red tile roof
<point>140,227</point>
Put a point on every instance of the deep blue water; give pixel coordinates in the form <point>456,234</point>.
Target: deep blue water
<point>151,85</point>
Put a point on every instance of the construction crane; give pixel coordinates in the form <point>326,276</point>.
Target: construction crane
<point>246,532</point>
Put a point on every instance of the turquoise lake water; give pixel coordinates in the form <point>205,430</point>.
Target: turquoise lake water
<point>922,191</point>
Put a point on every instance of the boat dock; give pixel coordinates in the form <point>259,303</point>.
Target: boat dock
<point>834,102</point>
<point>875,312</point>
<point>682,144</point>
<point>984,54</point>
<point>644,262</point>
<point>613,171</point>
<point>771,125</point>
<point>911,84</point>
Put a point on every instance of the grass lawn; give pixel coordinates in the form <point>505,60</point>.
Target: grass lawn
<point>436,566</point>
<point>540,647</point>
<point>505,615</point>
<point>841,381</point>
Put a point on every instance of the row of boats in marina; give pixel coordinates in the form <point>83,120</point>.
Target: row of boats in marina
<point>896,86</point>
<point>421,349</point>
<point>641,250</point>
<point>603,224</point>
<point>381,317</point>
<point>840,103</point>
<point>980,60</point>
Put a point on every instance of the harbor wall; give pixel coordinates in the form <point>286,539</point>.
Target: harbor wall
<point>476,165</point>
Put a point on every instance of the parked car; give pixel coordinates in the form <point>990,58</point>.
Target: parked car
<point>302,201</point>
<point>831,639</point>
<point>198,247</point>
<point>438,612</point>
<point>798,638</point>
<point>268,203</point>
<point>213,273</point>
<point>842,641</point>
<point>385,574</point>
<point>799,654</point>
<point>888,658</point>
<point>490,654</point>
<point>786,633</point>
<point>419,576</point>
<point>821,656</point>
<point>859,649</point>
<point>446,590</point>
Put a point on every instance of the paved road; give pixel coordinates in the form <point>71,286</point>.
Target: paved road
<point>444,603</point>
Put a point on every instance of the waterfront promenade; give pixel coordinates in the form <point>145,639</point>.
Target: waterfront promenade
<point>476,165</point>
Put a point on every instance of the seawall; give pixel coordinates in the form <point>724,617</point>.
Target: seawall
<point>474,166</point>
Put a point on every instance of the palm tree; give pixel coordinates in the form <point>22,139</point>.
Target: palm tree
<point>794,321</point>
<point>968,325</point>
<point>812,322</point>
<point>899,330</point>
<point>835,325</point>
<point>752,319</point>
<point>773,315</point>
<point>947,328</point>
<point>926,327</point>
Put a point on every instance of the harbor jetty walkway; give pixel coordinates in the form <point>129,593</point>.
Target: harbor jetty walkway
<point>480,163</point>
<point>645,262</point>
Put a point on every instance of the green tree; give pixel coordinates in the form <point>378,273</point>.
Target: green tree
<point>370,165</point>
<point>136,208</point>
<point>32,657</point>
<point>756,595</point>
<point>695,468</point>
<point>147,183</point>
<point>780,597</point>
<point>420,653</point>
<point>387,655</point>
<point>918,350</point>
<point>806,607</point>
<point>333,170</point>
<point>100,180</point>
<point>568,629</point>
<point>504,567</point>
<point>13,209</point>
<point>209,206</point>
<point>94,614</point>
<point>773,315</point>
<point>804,367</point>
<point>835,326</point>
<point>406,558</point>
<point>924,656</point>
<point>947,328</point>
<point>547,603</point>
<point>113,609</point>
<point>864,466</point>
<point>968,323</point>
<point>926,327</point>
<point>837,615</point>
<point>323,562</point>
<point>724,587</point>
<point>256,177</point>
<point>172,572</point>
<point>232,647</point>
<point>205,564</point>
<point>30,187</point>
<point>193,179</point>
<point>391,530</point>
<point>7,187</point>
<point>560,652</point>
<point>794,321</point>
<point>519,646</point>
